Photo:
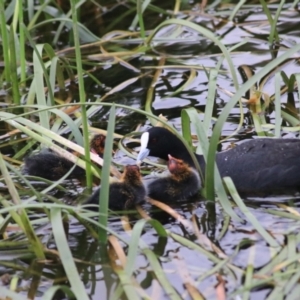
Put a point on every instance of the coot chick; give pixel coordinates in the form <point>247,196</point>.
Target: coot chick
<point>125,193</point>
<point>257,167</point>
<point>182,183</point>
<point>52,166</point>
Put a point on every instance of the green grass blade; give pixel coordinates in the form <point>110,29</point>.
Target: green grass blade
<point>239,93</point>
<point>278,118</point>
<point>39,73</point>
<point>274,36</point>
<point>140,8</point>
<point>5,43</point>
<point>236,9</point>
<point>298,84</point>
<point>104,193</point>
<point>13,66</point>
<point>250,217</point>
<point>212,173</point>
<point>135,241</point>
<point>248,282</point>
<point>81,93</point>
<point>21,217</point>
<point>127,285</point>
<point>208,34</point>
<point>66,255</point>
<point>161,276</point>
<point>212,87</point>
<point>22,43</point>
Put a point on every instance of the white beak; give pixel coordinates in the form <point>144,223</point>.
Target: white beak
<point>144,151</point>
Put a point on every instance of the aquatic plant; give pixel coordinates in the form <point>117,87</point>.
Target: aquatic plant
<point>71,69</point>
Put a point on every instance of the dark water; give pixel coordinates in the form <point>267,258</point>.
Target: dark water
<point>176,259</point>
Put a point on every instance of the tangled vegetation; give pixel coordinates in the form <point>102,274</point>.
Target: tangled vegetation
<point>220,71</point>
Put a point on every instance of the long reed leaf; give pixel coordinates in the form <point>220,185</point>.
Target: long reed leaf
<point>209,180</point>
<point>5,43</point>
<point>104,192</point>
<point>81,92</point>
<point>269,239</point>
<point>135,241</point>
<point>66,255</point>
<point>22,219</point>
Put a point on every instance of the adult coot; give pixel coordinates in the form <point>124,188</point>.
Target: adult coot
<point>182,183</point>
<point>50,165</point>
<point>124,194</point>
<point>259,166</point>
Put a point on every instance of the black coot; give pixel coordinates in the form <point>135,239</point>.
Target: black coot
<point>259,166</point>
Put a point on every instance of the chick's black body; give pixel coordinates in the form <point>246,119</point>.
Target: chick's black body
<point>258,166</point>
<point>50,165</point>
<point>126,193</point>
<point>182,183</point>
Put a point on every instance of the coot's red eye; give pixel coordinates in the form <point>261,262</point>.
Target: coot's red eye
<point>154,140</point>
